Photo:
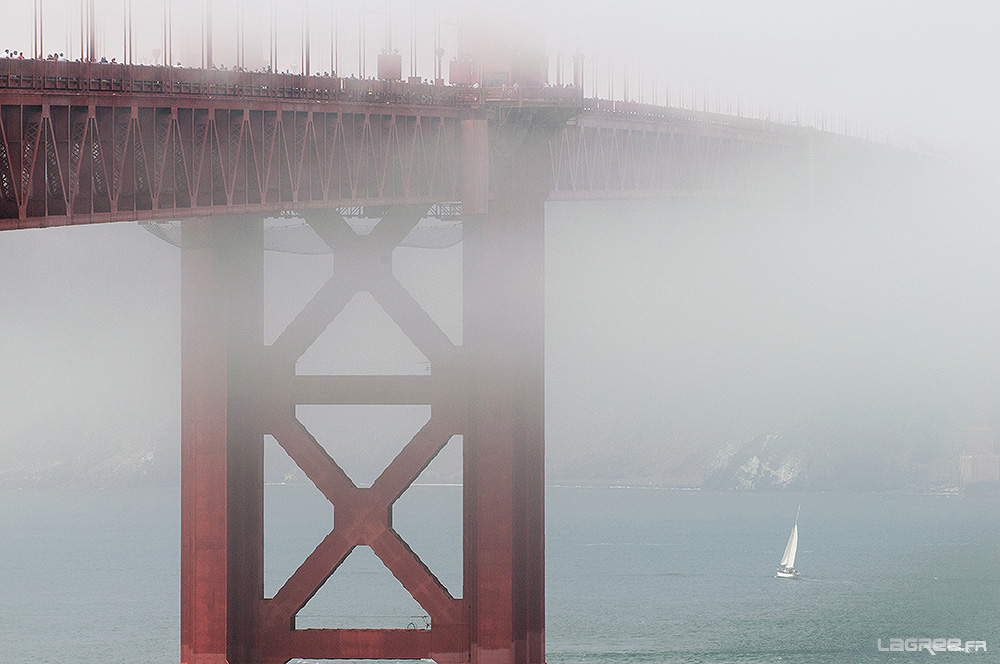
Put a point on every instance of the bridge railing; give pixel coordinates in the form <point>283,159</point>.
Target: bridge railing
<point>684,115</point>
<point>87,78</point>
<point>517,96</point>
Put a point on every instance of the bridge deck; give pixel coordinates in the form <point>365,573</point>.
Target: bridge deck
<point>86,143</point>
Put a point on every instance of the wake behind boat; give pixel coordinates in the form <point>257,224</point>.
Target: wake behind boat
<point>786,568</point>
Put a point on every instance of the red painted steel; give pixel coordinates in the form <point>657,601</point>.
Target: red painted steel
<point>222,475</point>
<point>85,143</point>
<point>108,149</point>
<point>226,617</point>
<point>490,391</point>
<point>504,468</point>
<point>364,514</point>
<point>204,404</point>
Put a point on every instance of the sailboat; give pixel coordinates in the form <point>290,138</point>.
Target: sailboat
<point>786,568</point>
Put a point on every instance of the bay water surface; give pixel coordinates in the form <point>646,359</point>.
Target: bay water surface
<point>634,576</point>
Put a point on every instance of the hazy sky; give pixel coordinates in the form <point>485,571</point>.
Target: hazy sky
<point>926,67</point>
<point>658,320</point>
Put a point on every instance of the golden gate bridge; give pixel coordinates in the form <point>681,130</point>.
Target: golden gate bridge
<point>220,149</point>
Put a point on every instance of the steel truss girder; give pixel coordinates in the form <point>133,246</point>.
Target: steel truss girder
<point>108,160</point>
<point>115,158</point>
<point>602,156</point>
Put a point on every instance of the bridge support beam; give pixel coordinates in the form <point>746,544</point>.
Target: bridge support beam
<point>504,447</point>
<point>490,391</point>
<point>221,447</point>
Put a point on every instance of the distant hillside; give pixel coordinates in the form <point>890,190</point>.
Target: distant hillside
<point>859,449</point>
<point>152,462</point>
<point>867,451</point>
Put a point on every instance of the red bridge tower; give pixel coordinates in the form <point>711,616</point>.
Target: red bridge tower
<point>489,390</point>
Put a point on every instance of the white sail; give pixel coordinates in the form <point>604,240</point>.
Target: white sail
<point>788,559</point>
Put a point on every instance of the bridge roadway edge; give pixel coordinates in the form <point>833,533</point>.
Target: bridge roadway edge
<point>82,143</point>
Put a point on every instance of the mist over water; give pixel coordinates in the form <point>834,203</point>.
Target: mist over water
<point>650,576</point>
<point>856,336</point>
<point>686,325</point>
<point>674,329</point>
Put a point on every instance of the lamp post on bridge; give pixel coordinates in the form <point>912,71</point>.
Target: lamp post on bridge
<point>167,33</point>
<point>127,45</point>
<point>578,70</point>
<point>361,38</point>
<point>305,37</point>
<point>334,42</point>
<point>206,37</point>
<point>37,34</point>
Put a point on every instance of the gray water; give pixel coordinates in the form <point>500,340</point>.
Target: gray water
<point>633,575</point>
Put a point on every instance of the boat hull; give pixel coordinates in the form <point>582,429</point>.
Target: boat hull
<point>786,575</point>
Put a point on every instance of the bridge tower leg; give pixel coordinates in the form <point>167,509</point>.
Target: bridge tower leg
<point>490,390</point>
<point>504,447</point>
<point>222,532</point>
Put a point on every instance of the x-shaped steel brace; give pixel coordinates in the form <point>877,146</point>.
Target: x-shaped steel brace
<point>363,262</point>
<point>363,515</point>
